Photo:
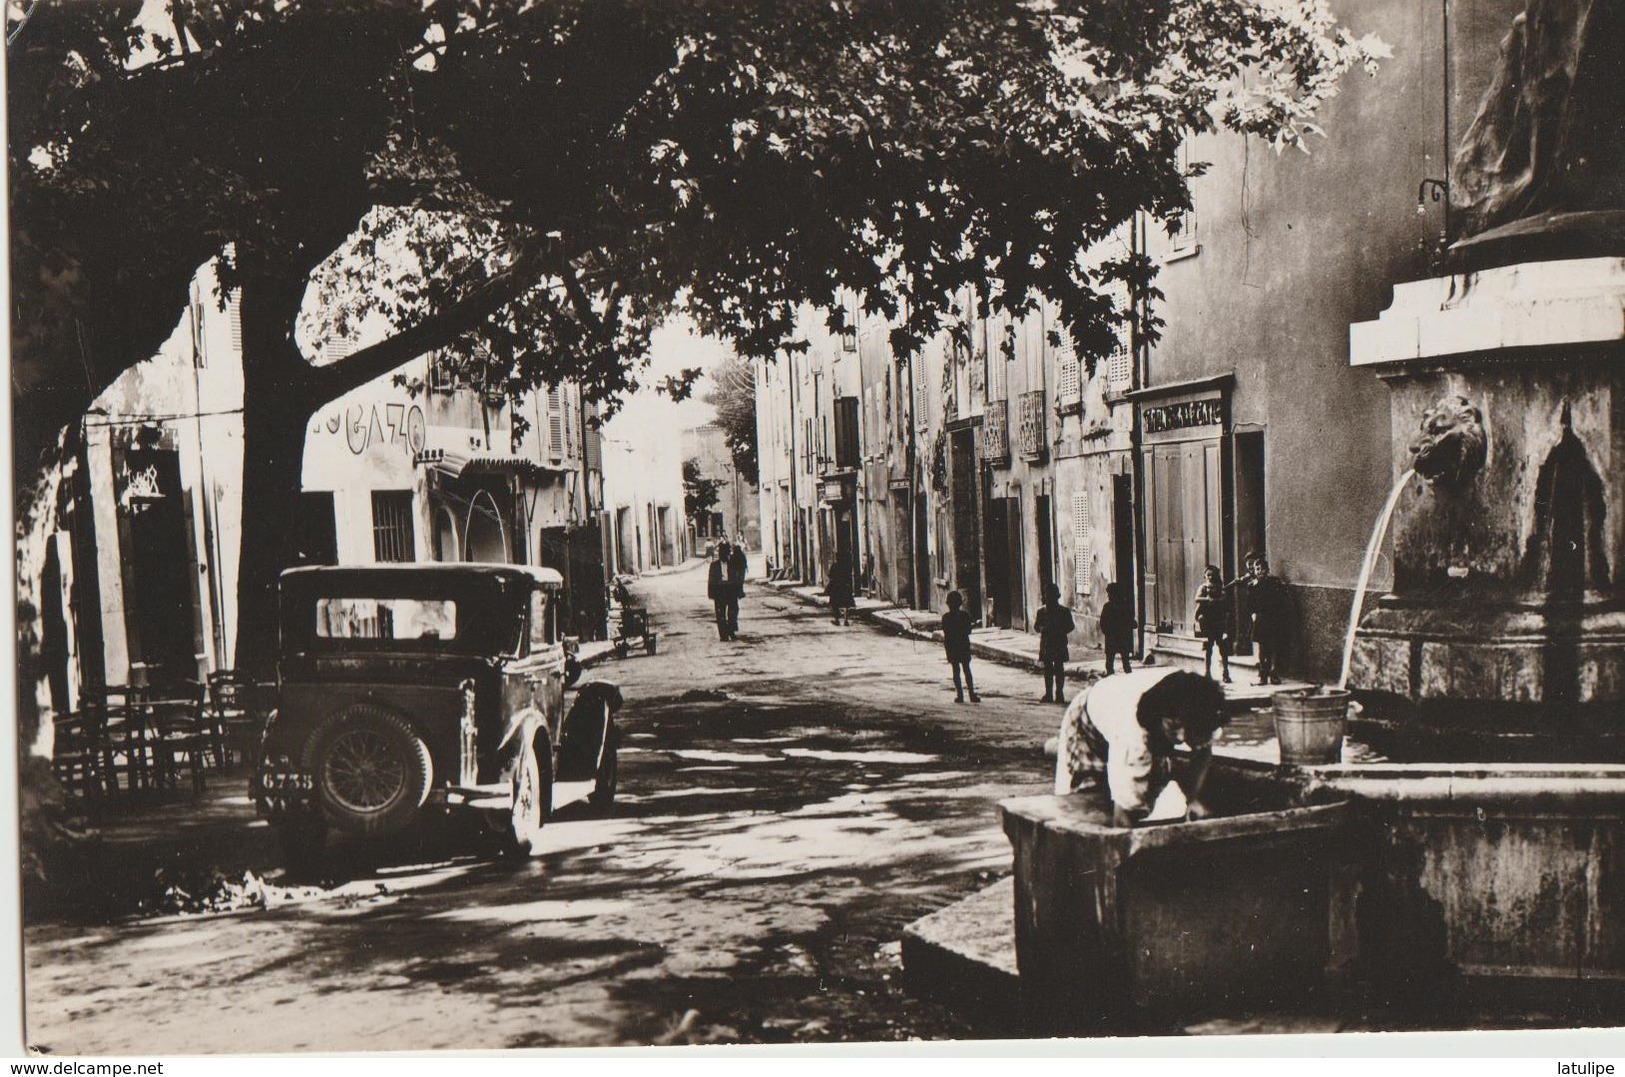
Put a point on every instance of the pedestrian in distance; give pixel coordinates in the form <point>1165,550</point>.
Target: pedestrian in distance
<point>1266,603</point>
<point>1120,737</point>
<point>1117,625</point>
<point>1054,624</point>
<point>719,589</point>
<point>1213,621</point>
<point>839,590</point>
<point>956,625</point>
<point>737,568</point>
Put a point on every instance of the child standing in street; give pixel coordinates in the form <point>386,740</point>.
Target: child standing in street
<point>1117,625</point>
<point>1054,624</point>
<point>1213,622</point>
<point>1266,601</point>
<point>956,643</point>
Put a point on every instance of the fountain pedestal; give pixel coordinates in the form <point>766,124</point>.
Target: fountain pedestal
<point>1504,633</point>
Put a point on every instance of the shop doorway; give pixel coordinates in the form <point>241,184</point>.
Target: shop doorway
<point>1123,532</point>
<point>967,577</point>
<point>161,593</point>
<point>1044,529</point>
<point>1004,562</point>
<point>1186,484</point>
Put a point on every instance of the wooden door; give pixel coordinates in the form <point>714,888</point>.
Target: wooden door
<point>1187,527</point>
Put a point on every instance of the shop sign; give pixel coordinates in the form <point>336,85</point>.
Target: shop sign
<point>1161,418</point>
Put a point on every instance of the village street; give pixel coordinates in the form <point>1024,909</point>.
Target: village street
<point>788,802</point>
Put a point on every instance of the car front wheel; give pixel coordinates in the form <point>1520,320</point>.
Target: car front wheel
<point>532,799</point>
<point>372,771</point>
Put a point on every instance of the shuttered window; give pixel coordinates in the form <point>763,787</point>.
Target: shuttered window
<point>565,397</point>
<point>1068,380</point>
<point>392,525</point>
<point>1083,540</point>
<point>922,392</point>
<point>1120,363</point>
<point>555,422</point>
<point>234,315</point>
<point>592,451</point>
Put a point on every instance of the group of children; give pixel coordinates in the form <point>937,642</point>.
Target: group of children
<point>1214,620</point>
<point>1122,736</point>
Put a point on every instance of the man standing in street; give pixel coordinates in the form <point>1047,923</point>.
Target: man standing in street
<point>736,585</point>
<point>719,589</point>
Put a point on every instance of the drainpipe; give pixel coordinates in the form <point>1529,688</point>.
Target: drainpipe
<point>1139,375</point>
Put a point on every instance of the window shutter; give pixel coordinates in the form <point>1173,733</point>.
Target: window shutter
<point>1083,539</point>
<point>998,361</point>
<point>921,405</point>
<point>555,422</point>
<point>569,421</point>
<point>235,316</point>
<point>592,450</point>
<point>1120,364</point>
<point>1069,382</point>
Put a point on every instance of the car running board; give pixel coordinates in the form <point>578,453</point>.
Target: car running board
<point>497,798</point>
<point>570,792</point>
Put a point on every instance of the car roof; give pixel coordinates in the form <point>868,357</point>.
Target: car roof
<point>424,570</point>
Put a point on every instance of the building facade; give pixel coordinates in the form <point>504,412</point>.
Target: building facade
<point>416,466</point>
<point>643,528</point>
<point>138,566</point>
<point>737,515</point>
<point>992,463</point>
<point>996,464</point>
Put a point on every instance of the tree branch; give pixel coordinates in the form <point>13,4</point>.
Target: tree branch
<point>436,331</point>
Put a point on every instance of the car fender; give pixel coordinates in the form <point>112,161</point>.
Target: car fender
<point>530,725</point>
<point>586,729</point>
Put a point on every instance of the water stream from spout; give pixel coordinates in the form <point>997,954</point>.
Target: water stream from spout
<point>1373,548</point>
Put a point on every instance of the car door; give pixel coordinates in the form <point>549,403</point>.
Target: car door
<point>528,680</point>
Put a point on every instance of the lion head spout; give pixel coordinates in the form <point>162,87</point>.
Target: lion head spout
<point>1452,446</point>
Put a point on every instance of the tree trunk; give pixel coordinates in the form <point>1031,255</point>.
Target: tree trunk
<point>278,402</point>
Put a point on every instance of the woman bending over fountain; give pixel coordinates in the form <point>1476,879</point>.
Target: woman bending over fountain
<point>1120,736</point>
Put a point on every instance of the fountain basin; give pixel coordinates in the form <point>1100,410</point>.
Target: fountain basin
<point>1475,871</point>
<point>1413,884</point>
<point>1123,928</point>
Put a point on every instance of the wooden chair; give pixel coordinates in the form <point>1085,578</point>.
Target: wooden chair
<point>179,731</point>
<point>122,737</point>
<point>238,707</point>
<point>77,754</point>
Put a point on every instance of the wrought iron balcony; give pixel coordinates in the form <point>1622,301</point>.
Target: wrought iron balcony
<point>1033,432</point>
<point>996,432</point>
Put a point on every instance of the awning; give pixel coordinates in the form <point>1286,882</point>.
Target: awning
<point>454,464</point>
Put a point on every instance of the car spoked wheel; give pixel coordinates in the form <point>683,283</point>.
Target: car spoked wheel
<point>532,800</point>
<point>372,771</point>
<point>365,771</point>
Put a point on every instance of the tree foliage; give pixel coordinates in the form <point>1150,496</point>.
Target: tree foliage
<point>548,179</point>
<point>700,492</point>
<point>733,395</point>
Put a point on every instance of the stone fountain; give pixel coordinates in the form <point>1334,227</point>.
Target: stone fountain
<point>1504,635</point>
<point>1491,851</point>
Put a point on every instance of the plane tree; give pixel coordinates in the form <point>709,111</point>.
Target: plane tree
<point>531,187</point>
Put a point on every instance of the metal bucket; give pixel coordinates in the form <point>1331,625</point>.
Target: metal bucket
<point>1309,724</point>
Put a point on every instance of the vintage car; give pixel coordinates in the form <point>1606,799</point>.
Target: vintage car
<point>409,688</point>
